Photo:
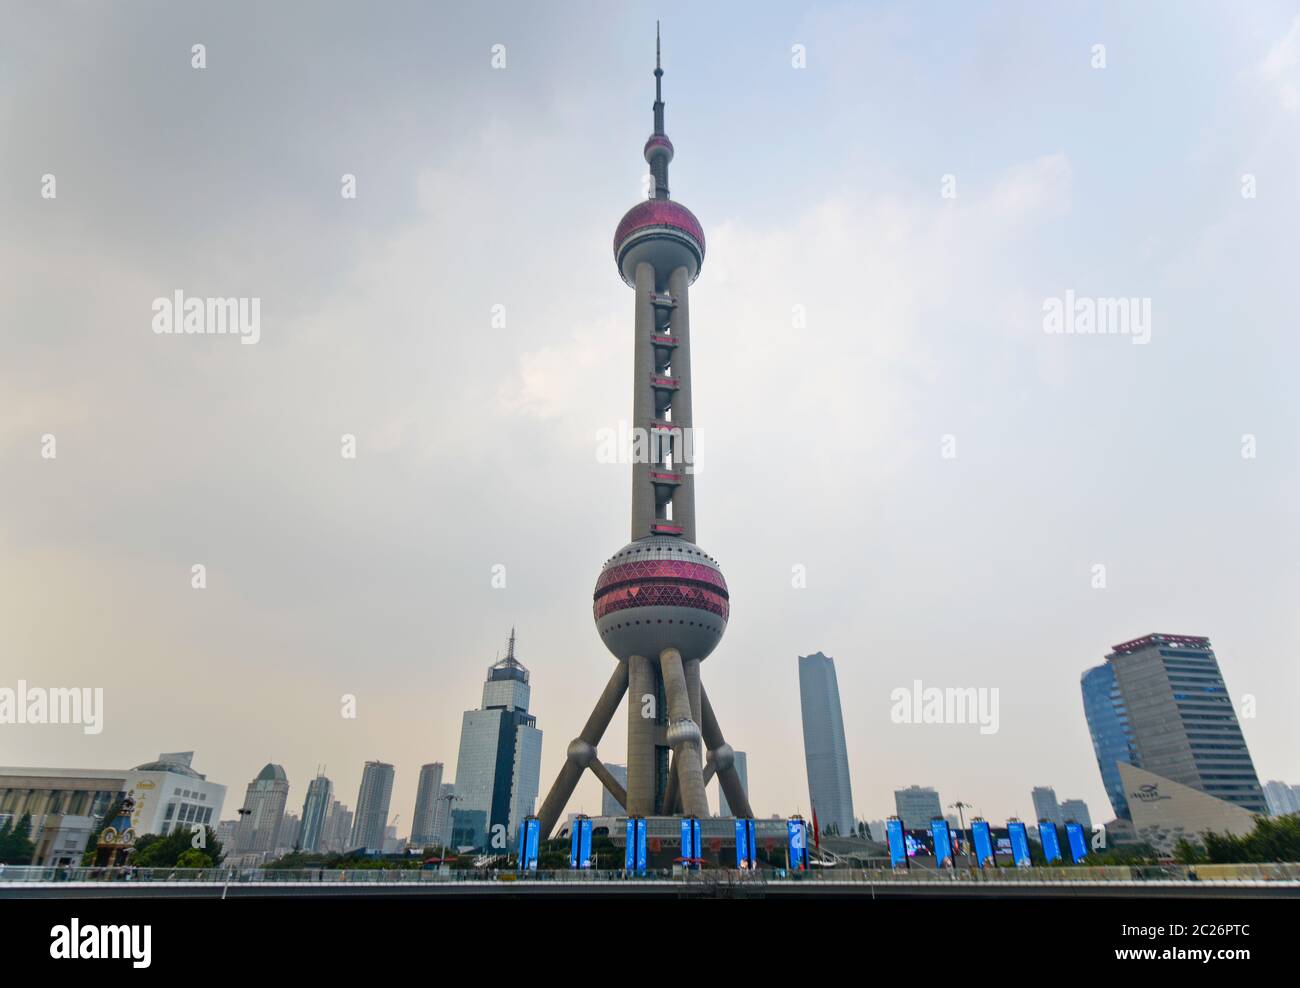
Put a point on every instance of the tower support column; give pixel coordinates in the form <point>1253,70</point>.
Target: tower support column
<point>640,737</point>
<point>683,735</point>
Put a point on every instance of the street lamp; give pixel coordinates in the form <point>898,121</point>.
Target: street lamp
<point>960,807</point>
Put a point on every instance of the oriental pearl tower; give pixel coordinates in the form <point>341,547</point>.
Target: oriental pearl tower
<point>660,602</point>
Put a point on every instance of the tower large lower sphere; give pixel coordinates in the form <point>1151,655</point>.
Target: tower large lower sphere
<point>660,603</point>
<point>661,592</point>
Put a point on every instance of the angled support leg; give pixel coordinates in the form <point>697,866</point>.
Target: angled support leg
<point>723,760</point>
<point>582,750</point>
<point>673,794</point>
<point>610,783</point>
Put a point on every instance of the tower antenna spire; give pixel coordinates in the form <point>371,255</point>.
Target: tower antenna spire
<point>659,90</point>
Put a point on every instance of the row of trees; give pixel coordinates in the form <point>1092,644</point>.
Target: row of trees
<point>1275,838</point>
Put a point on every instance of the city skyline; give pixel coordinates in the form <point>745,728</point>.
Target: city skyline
<point>374,578</point>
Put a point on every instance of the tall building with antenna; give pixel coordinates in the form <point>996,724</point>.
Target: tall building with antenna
<point>499,764</point>
<point>660,603</point>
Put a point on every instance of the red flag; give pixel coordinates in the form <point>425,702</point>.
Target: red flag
<point>817,833</point>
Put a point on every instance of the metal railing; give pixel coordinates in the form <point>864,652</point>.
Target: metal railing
<point>1119,874</point>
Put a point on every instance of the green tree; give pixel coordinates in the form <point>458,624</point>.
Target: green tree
<point>194,858</point>
<point>16,847</point>
<point>1274,839</point>
<point>1185,852</point>
<point>164,851</point>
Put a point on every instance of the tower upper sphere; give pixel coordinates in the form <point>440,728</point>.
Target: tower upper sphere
<point>659,231</point>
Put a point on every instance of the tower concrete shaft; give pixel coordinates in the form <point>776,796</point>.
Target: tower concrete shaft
<point>663,479</point>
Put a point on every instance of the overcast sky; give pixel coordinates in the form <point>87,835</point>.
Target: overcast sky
<point>823,438</point>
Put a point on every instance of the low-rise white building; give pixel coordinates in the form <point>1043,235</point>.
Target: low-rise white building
<point>168,792</point>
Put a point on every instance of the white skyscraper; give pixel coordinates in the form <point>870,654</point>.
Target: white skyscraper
<point>1045,805</point>
<point>916,806</point>
<point>373,799</point>
<point>264,801</point>
<point>1281,798</point>
<point>442,814</point>
<point>423,832</point>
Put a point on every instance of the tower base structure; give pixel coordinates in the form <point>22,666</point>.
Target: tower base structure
<point>674,748</point>
<point>663,835</point>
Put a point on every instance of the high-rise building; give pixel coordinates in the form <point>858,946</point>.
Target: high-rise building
<point>315,809</point>
<point>338,829</point>
<point>442,814</point>
<point>1112,743</point>
<point>423,832</point>
<point>824,748</point>
<point>1045,805</point>
<point>290,829</point>
<point>609,806</point>
<point>916,806</point>
<point>262,814</point>
<point>1076,811</point>
<point>1282,799</point>
<point>742,769</point>
<point>1180,720</point>
<point>499,765</point>
<point>660,602</point>
<point>373,799</point>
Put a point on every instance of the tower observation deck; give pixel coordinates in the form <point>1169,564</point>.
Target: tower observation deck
<point>661,603</point>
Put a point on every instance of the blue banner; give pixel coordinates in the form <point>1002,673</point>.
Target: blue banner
<point>897,848</point>
<point>1019,843</point>
<point>982,838</point>
<point>634,855</point>
<point>691,847</point>
<point>742,845</point>
<point>529,838</point>
<point>942,842</point>
<point>580,843</point>
<point>797,838</point>
<point>1078,844</point>
<point>1050,839</point>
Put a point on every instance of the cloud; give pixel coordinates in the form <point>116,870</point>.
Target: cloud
<point>1279,67</point>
